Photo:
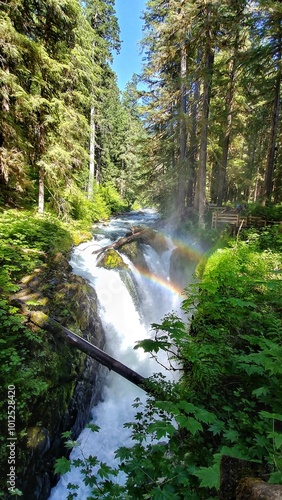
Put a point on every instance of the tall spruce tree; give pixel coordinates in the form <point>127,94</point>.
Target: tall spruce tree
<point>101,16</point>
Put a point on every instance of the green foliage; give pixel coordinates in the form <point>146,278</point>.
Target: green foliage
<point>269,236</point>
<point>26,239</point>
<point>271,211</point>
<point>83,209</point>
<point>63,465</point>
<point>105,201</point>
<point>228,398</point>
<point>112,198</point>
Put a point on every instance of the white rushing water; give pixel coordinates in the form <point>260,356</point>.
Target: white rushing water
<point>126,317</point>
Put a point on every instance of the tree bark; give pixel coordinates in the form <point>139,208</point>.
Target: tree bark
<point>182,178</point>
<point>229,112</point>
<point>5,105</point>
<point>122,241</point>
<point>202,169</point>
<point>41,190</point>
<point>193,146</point>
<point>92,153</point>
<point>41,173</point>
<point>256,489</point>
<point>274,130</point>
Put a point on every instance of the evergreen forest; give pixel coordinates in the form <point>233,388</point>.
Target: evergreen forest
<point>204,134</point>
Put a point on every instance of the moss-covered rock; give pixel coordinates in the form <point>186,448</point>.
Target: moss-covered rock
<point>38,439</point>
<point>111,259</point>
<point>133,251</point>
<point>155,239</point>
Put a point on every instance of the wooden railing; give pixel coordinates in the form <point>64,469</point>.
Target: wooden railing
<point>257,221</point>
<point>237,220</point>
<point>222,218</point>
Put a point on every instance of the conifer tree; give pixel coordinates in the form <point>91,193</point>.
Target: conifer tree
<point>101,16</point>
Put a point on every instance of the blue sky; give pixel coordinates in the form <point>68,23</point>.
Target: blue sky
<point>129,60</point>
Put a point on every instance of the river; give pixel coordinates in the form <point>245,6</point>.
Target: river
<point>127,308</point>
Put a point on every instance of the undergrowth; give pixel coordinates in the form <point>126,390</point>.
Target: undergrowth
<point>27,242</point>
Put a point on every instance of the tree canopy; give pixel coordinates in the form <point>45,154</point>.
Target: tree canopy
<point>208,129</point>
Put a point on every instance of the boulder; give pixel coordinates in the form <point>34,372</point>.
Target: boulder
<point>155,239</point>
<point>111,259</point>
<point>182,266</point>
<point>133,251</point>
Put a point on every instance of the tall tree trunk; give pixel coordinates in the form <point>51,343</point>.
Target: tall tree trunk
<point>173,145</point>
<point>41,190</point>
<point>193,146</point>
<point>5,105</point>
<point>273,133</point>
<point>98,166</point>
<point>278,186</point>
<point>229,114</point>
<point>41,150</point>
<point>182,132</point>
<point>92,153</point>
<point>5,92</point>
<point>202,169</point>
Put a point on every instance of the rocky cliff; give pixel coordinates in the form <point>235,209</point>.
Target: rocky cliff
<point>73,380</point>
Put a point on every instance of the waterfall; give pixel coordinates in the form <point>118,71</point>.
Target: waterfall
<point>126,313</point>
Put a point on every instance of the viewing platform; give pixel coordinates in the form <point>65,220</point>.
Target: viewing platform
<point>221,217</point>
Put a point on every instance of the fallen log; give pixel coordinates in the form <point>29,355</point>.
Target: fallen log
<point>255,489</point>
<point>43,321</point>
<point>241,480</point>
<point>121,241</point>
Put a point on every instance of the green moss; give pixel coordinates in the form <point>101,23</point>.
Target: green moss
<point>112,260</point>
<point>35,436</point>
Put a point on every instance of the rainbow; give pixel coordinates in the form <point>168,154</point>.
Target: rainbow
<point>186,252</point>
<point>165,283</point>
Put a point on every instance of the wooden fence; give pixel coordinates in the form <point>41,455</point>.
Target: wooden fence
<point>236,220</point>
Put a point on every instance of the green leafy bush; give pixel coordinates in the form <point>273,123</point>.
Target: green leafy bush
<point>272,212</point>
<point>266,237</point>
<point>112,198</point>
<point>83,209</point>
<point>105,201</point>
